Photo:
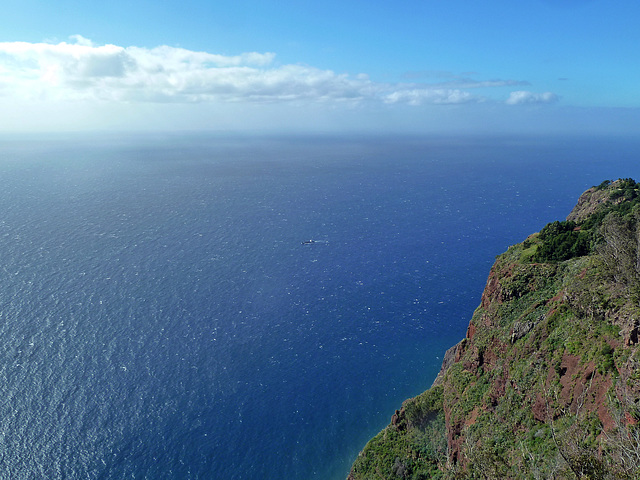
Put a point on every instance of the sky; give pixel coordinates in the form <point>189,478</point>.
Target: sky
<point>430,66</point>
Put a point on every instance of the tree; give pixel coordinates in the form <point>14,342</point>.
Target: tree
<point>619,250</point>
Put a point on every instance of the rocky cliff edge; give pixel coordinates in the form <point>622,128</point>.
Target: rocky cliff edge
<point>546,383</point>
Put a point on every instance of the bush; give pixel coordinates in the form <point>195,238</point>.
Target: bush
<point>562,241</point>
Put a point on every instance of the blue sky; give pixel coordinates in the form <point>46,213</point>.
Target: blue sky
<point>536,66</point>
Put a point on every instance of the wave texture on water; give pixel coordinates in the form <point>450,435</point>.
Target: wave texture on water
<point>161,318</point>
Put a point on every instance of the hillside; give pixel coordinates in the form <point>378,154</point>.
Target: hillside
<point>546,383</point>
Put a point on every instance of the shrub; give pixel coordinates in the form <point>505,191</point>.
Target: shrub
<point>562,241</point>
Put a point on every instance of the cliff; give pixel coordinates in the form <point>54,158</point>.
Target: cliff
<point>546,383</point>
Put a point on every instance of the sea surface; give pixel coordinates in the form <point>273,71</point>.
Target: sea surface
<point>160,316</point>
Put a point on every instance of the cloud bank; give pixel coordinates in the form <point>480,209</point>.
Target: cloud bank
<point>523,97</point>
<point>80,71</point>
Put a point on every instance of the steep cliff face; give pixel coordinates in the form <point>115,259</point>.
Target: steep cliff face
<point>546,383</point>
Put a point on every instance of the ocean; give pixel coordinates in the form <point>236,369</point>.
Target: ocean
<point>161,316</point>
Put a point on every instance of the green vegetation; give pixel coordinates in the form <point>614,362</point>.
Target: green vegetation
<point>414,447</point>
<point>562,240</point>
<point>626,188</point>
<point>547,385</point>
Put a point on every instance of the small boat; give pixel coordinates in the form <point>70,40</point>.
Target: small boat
<point>308,242</point>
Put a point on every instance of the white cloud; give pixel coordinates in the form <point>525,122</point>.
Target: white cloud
<point>80,40</point>
<point>468,83</point>
<point>83,71</point>
<point>434,95</point>
<point>524,97</point>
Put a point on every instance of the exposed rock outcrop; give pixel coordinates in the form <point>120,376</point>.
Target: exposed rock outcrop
<point>447,361</point>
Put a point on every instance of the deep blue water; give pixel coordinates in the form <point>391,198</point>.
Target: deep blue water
<point>160,318</point>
